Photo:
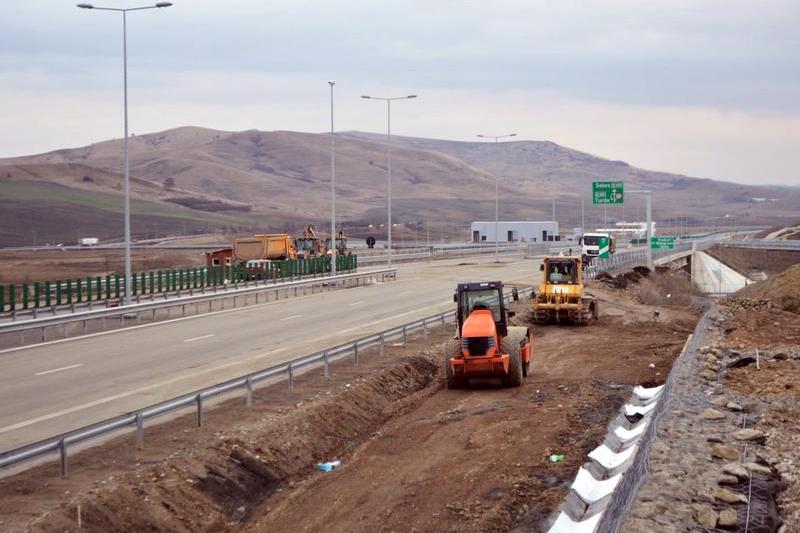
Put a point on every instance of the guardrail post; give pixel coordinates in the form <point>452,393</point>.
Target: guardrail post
<point>326,364</point>
<point>44,336</point>
<point>199,402</point>
<point>248,392</point>
<point>64,465</point>
<point>139,431</point>
<point>443,326</point>
<point>425,328</point>
<point>404,335</point>
<point>291,377</point>
<point>382,343</point>
<point>355,353</point>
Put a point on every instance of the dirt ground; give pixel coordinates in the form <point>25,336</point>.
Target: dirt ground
<point>50,265</point>
<point>416,456</point>
<point>747,260</point>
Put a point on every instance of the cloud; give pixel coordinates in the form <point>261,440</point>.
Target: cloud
<point>707,88</point>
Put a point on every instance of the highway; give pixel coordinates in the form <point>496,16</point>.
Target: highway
<point>53,387</point>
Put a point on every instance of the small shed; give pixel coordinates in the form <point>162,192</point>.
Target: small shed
<point>219,257</point>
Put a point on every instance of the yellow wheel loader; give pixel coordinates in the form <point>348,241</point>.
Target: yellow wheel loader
<point>561,296</point>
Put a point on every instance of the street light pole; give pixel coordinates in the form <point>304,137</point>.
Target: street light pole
<point>649,230</point>
<point>334,241</point>
<point>126,164</point>
<point>496,202</point>
<point>389,163</point>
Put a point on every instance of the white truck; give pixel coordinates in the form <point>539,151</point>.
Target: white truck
<point>594,245</point>
<point>89,241</point>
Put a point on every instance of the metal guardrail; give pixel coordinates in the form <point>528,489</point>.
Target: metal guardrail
<point>123,312</point>
<point>764,244</point>
<point>438,252</point>
<point>63,442</point>
<point>639,255</point>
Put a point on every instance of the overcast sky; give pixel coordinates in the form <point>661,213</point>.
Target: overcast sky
<point>705,88</point>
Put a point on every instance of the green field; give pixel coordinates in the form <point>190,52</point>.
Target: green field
<point>43,212</point>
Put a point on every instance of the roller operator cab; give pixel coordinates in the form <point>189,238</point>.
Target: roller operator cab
<point>486,346</point>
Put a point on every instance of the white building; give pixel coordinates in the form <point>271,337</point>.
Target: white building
<point>515,231</point>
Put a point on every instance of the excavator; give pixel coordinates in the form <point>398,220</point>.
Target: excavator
<point>561,296</point>
<point>309,245</point>
<point>486,346</point>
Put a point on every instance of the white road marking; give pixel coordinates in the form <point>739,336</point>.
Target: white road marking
<point>191,375</point>
<point>291,317</point>
<point>146,388</point>
<point>57,369</point>
<point>199,338</point>
<point>355,303</point>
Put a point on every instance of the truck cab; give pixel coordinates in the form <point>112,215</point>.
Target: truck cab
<point>597,245</point>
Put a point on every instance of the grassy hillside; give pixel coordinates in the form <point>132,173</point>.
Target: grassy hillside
<point>48,212</point>
<point>274,180</point>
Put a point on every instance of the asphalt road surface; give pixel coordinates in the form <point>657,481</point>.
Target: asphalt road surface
<point>54,387</point>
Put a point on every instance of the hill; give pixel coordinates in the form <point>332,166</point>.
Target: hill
<point>209,179</point>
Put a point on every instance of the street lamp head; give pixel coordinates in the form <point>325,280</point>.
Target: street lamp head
<point>331,83</point>
<point>163,4</point>
<point>513,135</point>
<point>411,96</point>
<point>365,96</point>
<point>86,6</point>
<point>481,135</point>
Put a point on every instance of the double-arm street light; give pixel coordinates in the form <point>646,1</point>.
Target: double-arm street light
<point>127,186</point>
<point>497,171</point>
<point>389,160</point>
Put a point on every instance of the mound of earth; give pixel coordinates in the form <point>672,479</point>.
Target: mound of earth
<point>782,290</point>
<point>662,287</point>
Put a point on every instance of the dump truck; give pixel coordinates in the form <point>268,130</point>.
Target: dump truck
<point>561,296</point>
<point>264,247</point>
<point>485,345</point>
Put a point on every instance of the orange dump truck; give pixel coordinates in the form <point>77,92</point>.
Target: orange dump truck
<point>264,247</point>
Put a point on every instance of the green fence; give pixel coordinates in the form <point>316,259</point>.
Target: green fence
<point>111,287</point>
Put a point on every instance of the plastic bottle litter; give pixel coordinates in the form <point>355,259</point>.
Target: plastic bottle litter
<point>556,458</point>
<point>327,467</point>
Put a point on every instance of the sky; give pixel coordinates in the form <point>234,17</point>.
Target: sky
<point>707,88</point>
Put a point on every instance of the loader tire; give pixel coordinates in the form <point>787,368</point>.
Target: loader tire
<point>452,349</point>
<point>514,376</point>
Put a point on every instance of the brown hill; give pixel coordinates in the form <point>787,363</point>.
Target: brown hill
<point>266,180</point>
<point>783,290</point>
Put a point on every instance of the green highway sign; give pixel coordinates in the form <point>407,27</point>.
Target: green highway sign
<point>657,243</point>
<point>607,192</point>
